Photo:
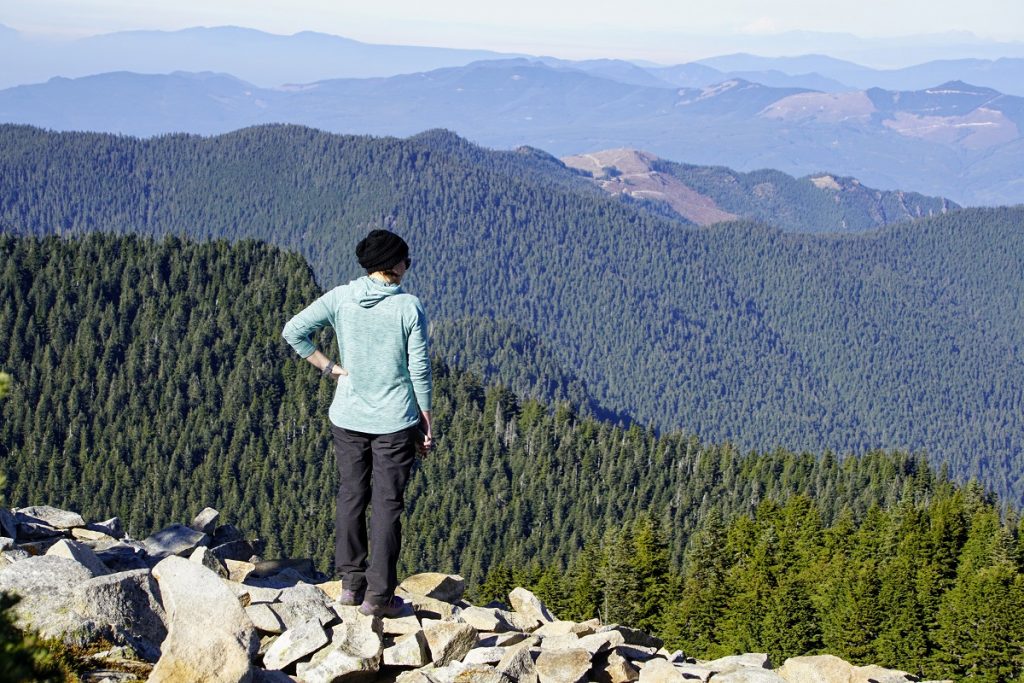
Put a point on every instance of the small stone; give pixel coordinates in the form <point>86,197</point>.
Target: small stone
<point>238,571</point>
<point>408,650</point>
<point>264,618</point>
<point>660,671</point>
<point>485,655</point>
<point>204,557</point>
<point>449,642</point>
<point>294,644</point>
<point>206,521</point>
<point>563,666</point>
<point>176,539</point>
<point>445,587</point>
<point>51,516</point>
<point>209,637</point>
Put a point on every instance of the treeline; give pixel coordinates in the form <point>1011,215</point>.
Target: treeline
<point>932,585</point>
<point>909,337</point>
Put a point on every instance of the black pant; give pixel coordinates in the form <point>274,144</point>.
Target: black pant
<point>372,469</point>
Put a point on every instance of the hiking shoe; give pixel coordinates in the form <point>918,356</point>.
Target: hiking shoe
<point>350,597</point>
<point>391,609</point>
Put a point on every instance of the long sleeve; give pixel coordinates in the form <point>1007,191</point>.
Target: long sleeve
<point>298,331</point>
<point>419,359</point>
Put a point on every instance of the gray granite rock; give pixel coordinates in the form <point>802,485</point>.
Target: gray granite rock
<point>449,641</point>
<point>517,663</point>
<point>660,671</point>
<point>300,641</point>
<point>485,655</point>
<point>51,516</point>
<point>614,668</point>
<point>176,539</point>
<point>206,521</point>
<point>400,626</point>
<point>209,637</point>
<point>749,674</point>
<point>408,650</point>
<point>44,583</point>
<point>755,659</point>
<point>563,666</point>
<point>111,527</point>
<point>32,531</point>
<point>204,557</point>
<point>445,587</point>
<point>265,619</point>
<point>459,672</point>
<point>123,556</point>
<point>485,619</point>
<point>600,642</point>
<point>123,608</point>
<point>79,553</point>
<point>529,605</point>
<point>354,653</point>
<point>302,602</point>
<point>8,526</point>
<point>633,636</point>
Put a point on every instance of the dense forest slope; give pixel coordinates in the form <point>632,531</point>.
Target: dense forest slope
<point>906,337</point>
<point>146,386</point>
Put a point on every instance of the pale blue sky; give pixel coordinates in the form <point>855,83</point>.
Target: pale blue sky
<point>570,28</point>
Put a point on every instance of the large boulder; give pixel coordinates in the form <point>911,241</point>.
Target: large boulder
<point>661,671</point>
<point>209,636</point>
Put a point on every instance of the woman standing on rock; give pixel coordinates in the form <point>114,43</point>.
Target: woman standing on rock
<point>380,415</point>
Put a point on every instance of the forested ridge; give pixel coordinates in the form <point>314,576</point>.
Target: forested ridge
<point>906,337</point>
<point>150,380</point>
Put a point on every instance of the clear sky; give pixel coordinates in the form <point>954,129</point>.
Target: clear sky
<point>574,28</point>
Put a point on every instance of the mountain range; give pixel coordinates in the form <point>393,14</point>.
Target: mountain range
<point>954,140</point>
<point>269,60</point>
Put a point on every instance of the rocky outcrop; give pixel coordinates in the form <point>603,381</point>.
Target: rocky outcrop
<point>188,615</point>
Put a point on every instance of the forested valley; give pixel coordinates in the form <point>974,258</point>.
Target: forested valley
<point>150,380</point>
<point>907,337</point>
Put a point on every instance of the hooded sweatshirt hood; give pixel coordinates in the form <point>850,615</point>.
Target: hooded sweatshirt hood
<point>374,291</point>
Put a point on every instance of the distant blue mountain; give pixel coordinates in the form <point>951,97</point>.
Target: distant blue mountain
<point>956,140</point>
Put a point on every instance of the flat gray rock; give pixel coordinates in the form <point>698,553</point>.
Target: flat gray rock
<point>176,539</point>
<point>445,587</point>
<point>79,553</point>
<point>408,650</point>
<point>563,666</point>
<point>303,602</point>
<point>111,527</point>
<point>294,644</point>
<point>44,584</point>
<point>123,557</point>
<point>449,641</point>
<point>209,636</point>
<point>51,516</point>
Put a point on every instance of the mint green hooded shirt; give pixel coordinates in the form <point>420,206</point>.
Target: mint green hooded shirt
<point>382,342</point>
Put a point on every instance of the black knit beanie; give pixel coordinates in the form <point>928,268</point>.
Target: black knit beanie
<point>381,250</point>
